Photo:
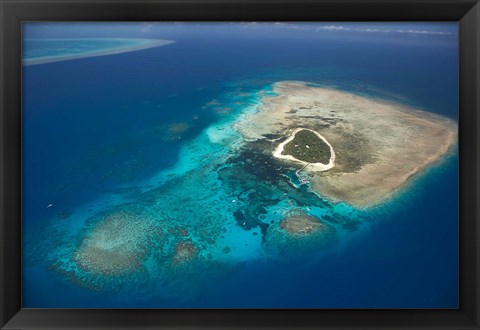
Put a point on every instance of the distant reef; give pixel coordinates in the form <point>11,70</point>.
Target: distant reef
<point>76,48</point>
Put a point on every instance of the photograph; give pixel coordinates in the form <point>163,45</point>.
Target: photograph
<point>240,165</point>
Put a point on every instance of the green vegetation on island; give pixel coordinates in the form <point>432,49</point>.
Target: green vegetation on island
<point>308,147</point>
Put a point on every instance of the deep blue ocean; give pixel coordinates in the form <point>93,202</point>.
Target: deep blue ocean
<point>95,127</point>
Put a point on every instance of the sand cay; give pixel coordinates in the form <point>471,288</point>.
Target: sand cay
<point>377,145</point>
<point>279,153</point>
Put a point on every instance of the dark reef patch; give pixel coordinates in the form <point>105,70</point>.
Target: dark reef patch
<point>256,180</point>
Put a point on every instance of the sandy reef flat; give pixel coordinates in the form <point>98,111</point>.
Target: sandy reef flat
<point>378,145</point>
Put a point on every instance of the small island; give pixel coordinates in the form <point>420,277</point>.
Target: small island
<point>308,147</point>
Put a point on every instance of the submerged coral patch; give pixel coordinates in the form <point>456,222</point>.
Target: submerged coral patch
<point>184,252</point>
<point>301,224</point>
<point>115,246</point>
<point>299,233</point>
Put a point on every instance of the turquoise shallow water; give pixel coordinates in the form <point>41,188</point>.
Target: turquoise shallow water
<point>153,143</point>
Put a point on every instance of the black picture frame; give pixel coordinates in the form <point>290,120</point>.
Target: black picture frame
<point>13,12</point>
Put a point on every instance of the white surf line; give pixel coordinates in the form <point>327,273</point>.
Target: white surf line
<point>319,167</point>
